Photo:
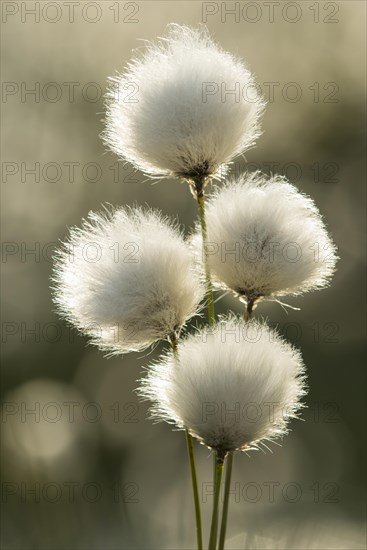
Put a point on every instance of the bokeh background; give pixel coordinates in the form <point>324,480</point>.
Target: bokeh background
<point>86,469</point>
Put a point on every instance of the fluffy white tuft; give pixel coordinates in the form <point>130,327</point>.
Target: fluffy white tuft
<point>231,386</point>
<point>169,114</point>
<point>126,279</point>
<point>266,239</point>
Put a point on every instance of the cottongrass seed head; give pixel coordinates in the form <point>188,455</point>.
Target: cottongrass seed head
<point>183,108</point>
<point>265,238</point>
<point>233,386</point>
<point>126,279</point>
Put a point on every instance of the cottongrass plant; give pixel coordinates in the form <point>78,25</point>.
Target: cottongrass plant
<point>233,387</point>
<point>265,239</point>
<point>228,367</point>
<point>126,279</point>
<point>168,113</point>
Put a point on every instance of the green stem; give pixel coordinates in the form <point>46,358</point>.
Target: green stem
<point>217,485</point>
<point>227,485</point>
<point>190,451</point>
<point>204,234</point>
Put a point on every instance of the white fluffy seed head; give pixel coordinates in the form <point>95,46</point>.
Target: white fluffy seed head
<point>183,108</point>
<point>232,386</point>
<point>126,279</point>
<point>265,238</point>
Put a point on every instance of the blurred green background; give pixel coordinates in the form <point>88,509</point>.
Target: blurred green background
<point>86,469</point>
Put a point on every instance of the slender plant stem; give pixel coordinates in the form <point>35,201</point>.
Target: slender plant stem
<point>204,234</point>
<point>217,487</point>
<point>249,308</point>
<point>227,485</point>
<point>191,455</point>
<point>173,341</point>
<point>190,449</point>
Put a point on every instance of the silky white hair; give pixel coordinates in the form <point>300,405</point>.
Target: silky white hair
<point>126,279</point>
<point>232,386</point>
<point>265,238</point>
<point>172,111</point>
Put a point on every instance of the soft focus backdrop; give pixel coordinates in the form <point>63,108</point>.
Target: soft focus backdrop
<point>82,467</point>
